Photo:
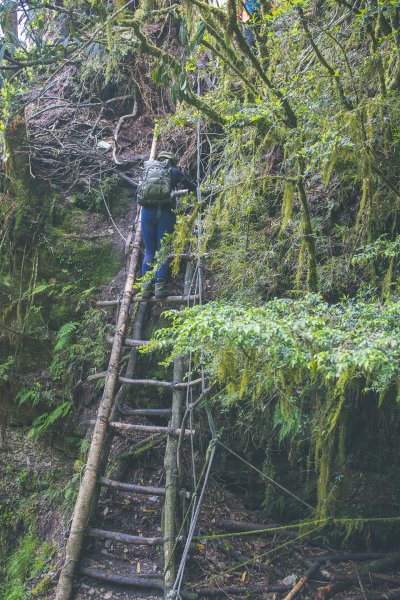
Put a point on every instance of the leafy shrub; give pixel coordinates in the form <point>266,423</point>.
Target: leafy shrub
<point>311,360</point>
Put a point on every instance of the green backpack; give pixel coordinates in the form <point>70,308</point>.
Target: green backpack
<point>155,187</point>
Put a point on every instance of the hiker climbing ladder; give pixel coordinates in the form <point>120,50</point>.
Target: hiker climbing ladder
<point>105,425</point>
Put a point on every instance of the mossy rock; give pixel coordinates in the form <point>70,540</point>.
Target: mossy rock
<point>89,262</point>
<point>70,220</point>
<point>80,266</point>
<point>117,197</point>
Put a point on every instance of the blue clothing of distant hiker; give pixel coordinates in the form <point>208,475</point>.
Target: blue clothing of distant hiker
<point>158,220</point>
<point>250,10</point>
<point>252,6</point>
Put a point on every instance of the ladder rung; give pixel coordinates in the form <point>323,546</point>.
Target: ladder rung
<point>150,429</point>
<point>168,384</point>
<point>150,583</point>
<point>129,342</point>
<point>146,412</point>
<point>108,302</point>
<point>132,487</point>
<point>155,382</point>
<point>125,538</point>
<point>153,299</point>
<point>184,256</point>
<point>167,299</point>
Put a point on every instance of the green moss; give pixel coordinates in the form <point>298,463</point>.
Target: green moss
<point>72,220</point>
<point>77,267</point>
<point>89,263</point>
<point>109,194</point>
<point>27,562</point>
<point>42,586</point>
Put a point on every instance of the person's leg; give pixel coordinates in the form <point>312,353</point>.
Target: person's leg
<point>149,232</point>
<point>166,224</point>
<point>249,34</point>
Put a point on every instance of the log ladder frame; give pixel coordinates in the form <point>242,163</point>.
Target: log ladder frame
<point>92,481</point>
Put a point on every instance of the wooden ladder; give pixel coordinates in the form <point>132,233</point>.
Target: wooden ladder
<point>106,425</point>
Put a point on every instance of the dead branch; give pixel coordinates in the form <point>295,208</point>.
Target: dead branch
<point>133,115</point>
<point>301,583</point>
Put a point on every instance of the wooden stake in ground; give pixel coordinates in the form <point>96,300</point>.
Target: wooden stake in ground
<point>171,465</point>
<point>88,485</point>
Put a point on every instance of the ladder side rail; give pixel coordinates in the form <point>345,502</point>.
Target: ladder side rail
<point>171,463</point>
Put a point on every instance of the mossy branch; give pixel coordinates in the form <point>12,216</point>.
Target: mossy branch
<point>231,66</point>
<point>148,48</point>
<point>332,72</point>
<point>232,16</point>
<point>309,239</point>
<point>209,9</point>
<point>395,21</point>
<point>378,58</point>
<point>291,119</point>
<point>217,29</point>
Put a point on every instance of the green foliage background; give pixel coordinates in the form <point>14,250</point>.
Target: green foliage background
<point>299,222</point>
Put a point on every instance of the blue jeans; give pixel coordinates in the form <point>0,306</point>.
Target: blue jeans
<point>249,34</point>
<point>155,223</point>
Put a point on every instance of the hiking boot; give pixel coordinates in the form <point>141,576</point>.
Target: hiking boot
<point>162,288</point>
<point>147,289</point>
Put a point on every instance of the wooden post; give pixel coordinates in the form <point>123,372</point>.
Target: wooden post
<point>153,150</point>
<point>171,466</point>
<point>89,481</point>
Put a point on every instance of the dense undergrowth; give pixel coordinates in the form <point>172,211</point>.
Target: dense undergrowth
<point>300,176</point>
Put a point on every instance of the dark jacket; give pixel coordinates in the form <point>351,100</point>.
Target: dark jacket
<point>179,179</point>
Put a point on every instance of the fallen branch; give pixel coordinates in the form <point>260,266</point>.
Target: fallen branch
<point>133,115</point>
<point>231,525</point>
<point>349,556</point>
<point>301,583</point>
<point>121,580</point>
<point>378,596</point>
<point>384,562</point>
<point>331,589</point>
<point>121,463</point>
<point>241,590</point>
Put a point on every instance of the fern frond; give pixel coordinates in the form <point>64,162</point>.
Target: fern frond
<point>64,335</point>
